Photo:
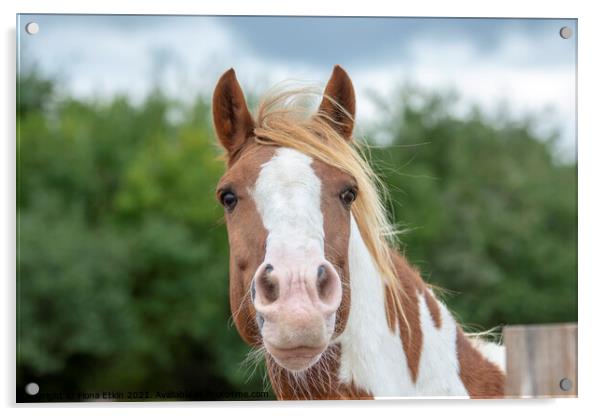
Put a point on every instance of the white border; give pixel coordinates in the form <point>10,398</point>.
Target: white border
<point>590,206</point>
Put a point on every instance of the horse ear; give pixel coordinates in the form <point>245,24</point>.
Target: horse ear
<point>231,118</point>
<point>340,113</point>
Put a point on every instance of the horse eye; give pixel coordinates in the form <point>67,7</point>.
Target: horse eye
<point>348,196</point>
<point>228,200</point>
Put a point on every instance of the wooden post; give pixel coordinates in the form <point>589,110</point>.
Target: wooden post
<point>541,360</point>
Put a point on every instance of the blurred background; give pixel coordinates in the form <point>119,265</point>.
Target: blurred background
<point>122,252</point>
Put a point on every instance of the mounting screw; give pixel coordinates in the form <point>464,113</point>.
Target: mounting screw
<point>32,389</point>
<point>566,32</point>
<point>566,384</point>
<point>32,28</point>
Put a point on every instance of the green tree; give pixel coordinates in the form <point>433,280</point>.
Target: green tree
<point>122,268</point>
<point>489,213</point>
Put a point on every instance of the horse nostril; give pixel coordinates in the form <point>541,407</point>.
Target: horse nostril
<point>267,285</point>
<point>325,283</point>
<point>321,273</point>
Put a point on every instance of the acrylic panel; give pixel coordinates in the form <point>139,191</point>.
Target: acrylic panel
<point>260,208</point>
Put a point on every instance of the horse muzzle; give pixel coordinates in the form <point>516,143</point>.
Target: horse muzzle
<point>296,311</point>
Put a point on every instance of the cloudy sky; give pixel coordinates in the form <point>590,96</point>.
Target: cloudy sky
<point>521,63</point>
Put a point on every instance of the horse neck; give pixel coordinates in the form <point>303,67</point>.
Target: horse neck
<point>418,350</point>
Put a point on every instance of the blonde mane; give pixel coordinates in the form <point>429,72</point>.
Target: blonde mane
<point>285,119</point>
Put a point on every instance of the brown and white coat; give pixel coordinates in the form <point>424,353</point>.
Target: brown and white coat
<point>305,286</point>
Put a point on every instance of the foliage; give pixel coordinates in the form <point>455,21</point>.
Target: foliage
<point>123,256</point>
<point>490,215</point>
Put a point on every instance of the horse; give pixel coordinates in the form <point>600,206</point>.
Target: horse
<point>316,285</point>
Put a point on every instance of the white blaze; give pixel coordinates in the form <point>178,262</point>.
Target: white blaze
<point>287,196</point>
